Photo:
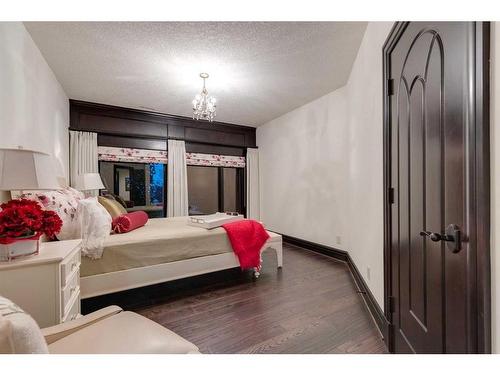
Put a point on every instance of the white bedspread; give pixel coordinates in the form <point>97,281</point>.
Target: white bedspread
<point>161,240</point>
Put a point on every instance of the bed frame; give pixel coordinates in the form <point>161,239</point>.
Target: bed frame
<point>96,285</point>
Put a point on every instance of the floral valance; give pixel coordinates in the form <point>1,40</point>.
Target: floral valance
<point>215,160</point>
<point>131,155</point>
<point>134,155</point>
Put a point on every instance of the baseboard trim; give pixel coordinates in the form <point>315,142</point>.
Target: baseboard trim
<point>375,310</point>
<point>326,250</point>
<point>371,302</point>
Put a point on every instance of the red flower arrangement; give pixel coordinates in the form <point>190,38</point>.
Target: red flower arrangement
<point>24,218</point>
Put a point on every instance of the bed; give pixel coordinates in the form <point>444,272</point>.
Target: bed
<point>164,249</point>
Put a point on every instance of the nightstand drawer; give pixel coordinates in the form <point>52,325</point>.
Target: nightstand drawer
<point>69,267</point>
<point>69,291</point>
<point>74,308</point>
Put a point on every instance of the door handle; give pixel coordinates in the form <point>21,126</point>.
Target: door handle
<point>436,237</point>
<point>452,235</point>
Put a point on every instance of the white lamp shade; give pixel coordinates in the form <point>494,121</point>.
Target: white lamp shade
<point>88,181</point>
<point>27,170</point>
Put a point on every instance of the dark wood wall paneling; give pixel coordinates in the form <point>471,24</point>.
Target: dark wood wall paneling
<point>131,142</point>
<point>125,127</point>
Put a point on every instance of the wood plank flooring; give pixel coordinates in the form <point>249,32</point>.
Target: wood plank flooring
<point>310,306</point>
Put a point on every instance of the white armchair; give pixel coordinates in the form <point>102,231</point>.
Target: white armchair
<point>57,332</point>
<point>107,331</point>
<point>113,331</point>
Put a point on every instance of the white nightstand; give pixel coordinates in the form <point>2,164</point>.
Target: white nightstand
<point>47,285</point>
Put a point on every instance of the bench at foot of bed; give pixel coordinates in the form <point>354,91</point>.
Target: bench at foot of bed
<point>275,243</point>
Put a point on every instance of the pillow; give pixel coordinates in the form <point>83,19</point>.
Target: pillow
<point>19,331</point>
<point>129,222</point>
<point>108,195</point>
<point>120,200</point>
<point>78,195</point>
<point>5,336</point>
<point>113,207</point>
<point>96,227</point>
<point>64,202</point>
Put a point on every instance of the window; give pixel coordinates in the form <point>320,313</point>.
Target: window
<point>212,189</point>
<point>156,183</point>
<point>203,190</point>
<point>139,186</point>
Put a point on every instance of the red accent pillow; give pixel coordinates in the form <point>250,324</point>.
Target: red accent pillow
<point>128,222</point>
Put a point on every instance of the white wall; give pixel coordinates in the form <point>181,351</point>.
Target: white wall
<point>495,186</point>
<point>321,166</point>
<point>366,219</point>
<point>303,171</point>
<point>34,110</point>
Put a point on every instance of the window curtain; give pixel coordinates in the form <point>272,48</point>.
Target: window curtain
<point>177,188</point>
<point>135,155</point>
<point>253,193</point>
<point>215,160</point>
<point>83,155</point>
<point>132,155</point>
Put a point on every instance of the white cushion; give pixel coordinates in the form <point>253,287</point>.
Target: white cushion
<point>123,333</point>
<point>5,336</point>
<point>64,202</point>
<point>95,226</point>
<point>19,331</point>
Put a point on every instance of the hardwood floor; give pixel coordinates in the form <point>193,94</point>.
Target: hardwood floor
<point>310,306</point>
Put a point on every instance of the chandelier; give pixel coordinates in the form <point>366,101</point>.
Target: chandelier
<point>203,104</point>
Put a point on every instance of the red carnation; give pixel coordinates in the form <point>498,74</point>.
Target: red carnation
<point>20,203</point>
<point>52,223</point>
<point>24,217</point>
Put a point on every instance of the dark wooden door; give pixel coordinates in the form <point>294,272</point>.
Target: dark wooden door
<point>431,108</point>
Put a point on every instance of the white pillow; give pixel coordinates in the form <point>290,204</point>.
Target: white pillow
<point>95,226</point>
<point>64,202</point>
<point>6,346</point>
<point>25,335</point>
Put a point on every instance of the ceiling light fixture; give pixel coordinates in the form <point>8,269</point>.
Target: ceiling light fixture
<point>203,104</point>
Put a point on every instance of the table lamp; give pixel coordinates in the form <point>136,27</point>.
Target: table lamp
<point>88,181</point>
<point>22,169</point>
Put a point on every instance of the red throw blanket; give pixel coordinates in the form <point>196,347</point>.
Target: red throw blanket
<point>128,222</point>
<point>247,238</point>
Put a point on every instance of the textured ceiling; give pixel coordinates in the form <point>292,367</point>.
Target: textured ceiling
<point>258,70</point>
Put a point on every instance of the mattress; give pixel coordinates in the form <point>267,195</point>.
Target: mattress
<point>161,240</point>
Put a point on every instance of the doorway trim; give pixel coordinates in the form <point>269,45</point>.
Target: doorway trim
<point>479,185</point>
